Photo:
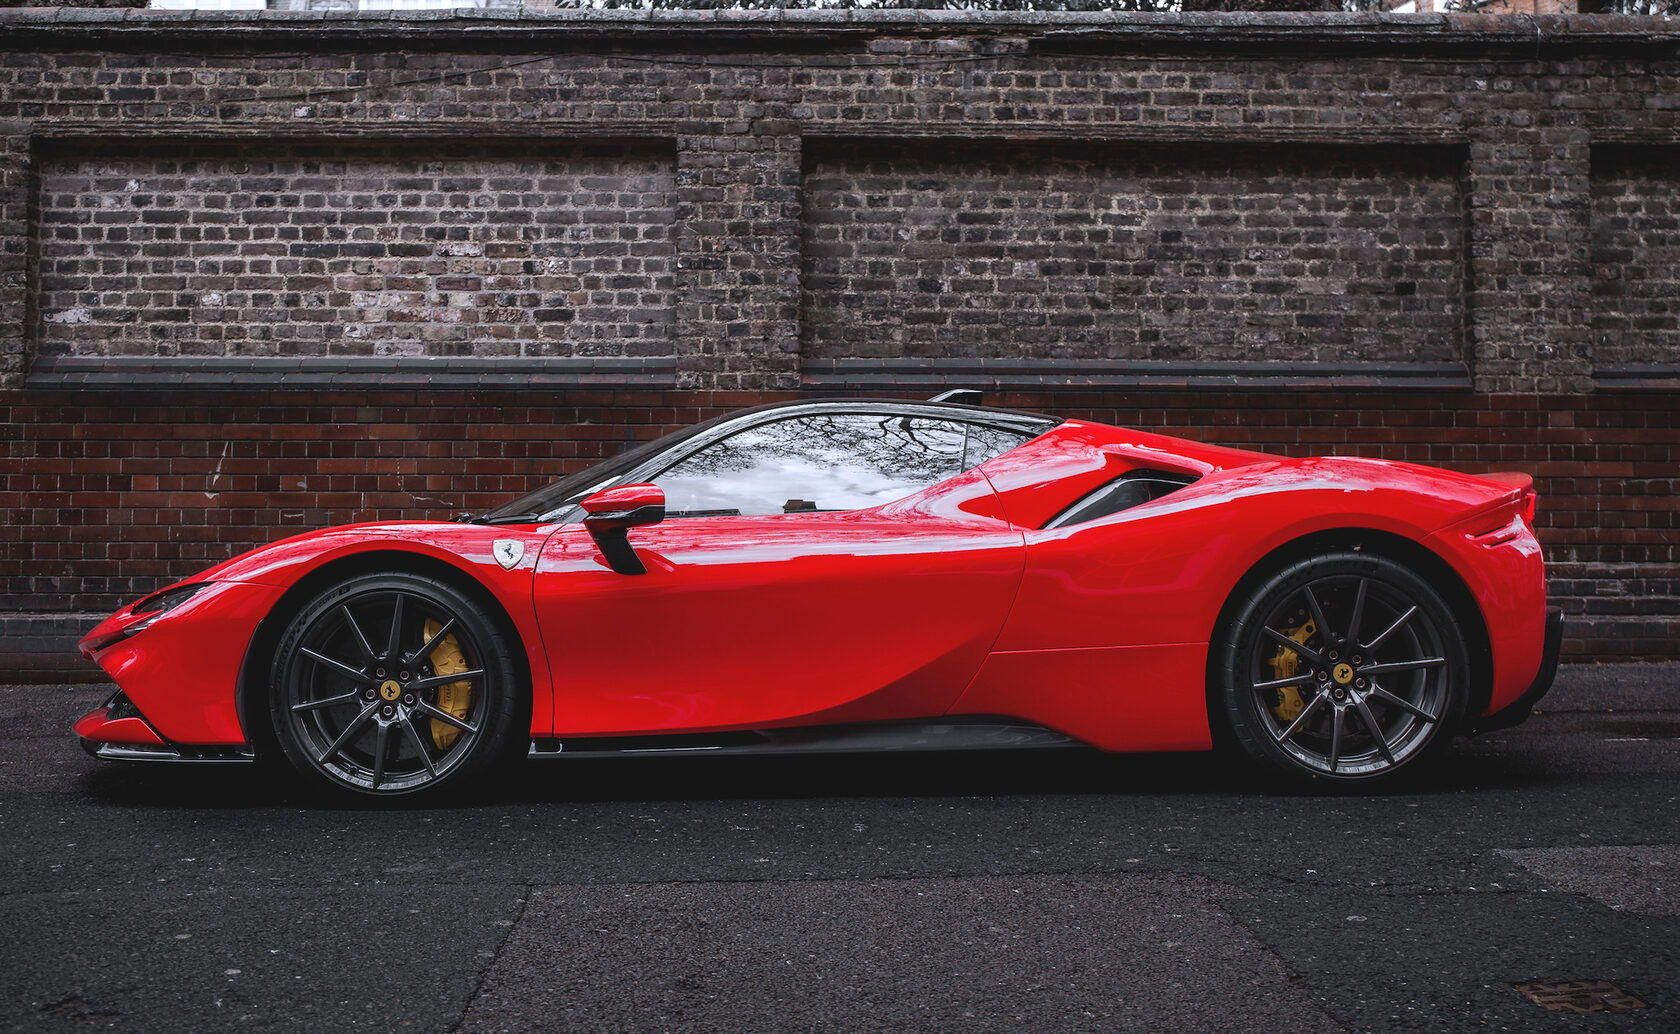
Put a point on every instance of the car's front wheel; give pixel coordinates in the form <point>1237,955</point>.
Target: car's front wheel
<point>393,685</point>
<point>1343,668</point>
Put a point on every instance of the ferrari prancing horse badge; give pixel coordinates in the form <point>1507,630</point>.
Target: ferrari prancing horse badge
<point>508,552</point>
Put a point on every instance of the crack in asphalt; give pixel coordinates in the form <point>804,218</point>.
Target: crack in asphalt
<point>495,955</point>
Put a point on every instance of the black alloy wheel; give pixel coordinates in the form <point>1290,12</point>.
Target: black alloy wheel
<point>1346,668</point>
<point>391,685</point>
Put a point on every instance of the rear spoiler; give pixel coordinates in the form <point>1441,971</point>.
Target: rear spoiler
<point>1519,488</point>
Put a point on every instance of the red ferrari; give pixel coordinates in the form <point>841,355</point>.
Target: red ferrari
<point>863,575</point>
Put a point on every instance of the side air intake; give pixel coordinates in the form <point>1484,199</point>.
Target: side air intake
<point>1124,492</point>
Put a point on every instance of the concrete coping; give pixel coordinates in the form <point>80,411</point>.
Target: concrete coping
<point>1378,29</point>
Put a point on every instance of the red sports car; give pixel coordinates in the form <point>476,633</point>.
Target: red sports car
<point>863,575</point>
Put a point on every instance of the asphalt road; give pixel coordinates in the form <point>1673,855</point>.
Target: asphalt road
<point>1034,892</point>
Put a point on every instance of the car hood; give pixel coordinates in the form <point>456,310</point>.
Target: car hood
<point>463,545</point>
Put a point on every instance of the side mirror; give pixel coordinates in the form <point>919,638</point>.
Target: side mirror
<point>612,513</point>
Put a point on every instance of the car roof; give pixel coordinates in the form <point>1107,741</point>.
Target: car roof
<point>1014,419</point>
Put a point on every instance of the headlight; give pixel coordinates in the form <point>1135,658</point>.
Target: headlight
<point>160,603</point>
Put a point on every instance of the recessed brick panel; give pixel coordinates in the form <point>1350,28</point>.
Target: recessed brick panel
<point>1636,255</point>
<point>411,250</point>
<point>1137,253</point>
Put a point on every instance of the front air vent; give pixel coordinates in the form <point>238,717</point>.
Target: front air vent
<point>1124,492</point>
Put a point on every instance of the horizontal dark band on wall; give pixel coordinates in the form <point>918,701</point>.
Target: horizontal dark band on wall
<point>48,635</point>
<point>1637,377</point>
<point>131,372</point>
<point>534,133</point>
<point>47,623</point>
<point>1053,373</point>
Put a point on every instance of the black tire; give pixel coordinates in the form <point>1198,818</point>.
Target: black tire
<point>357,707</point>
<point>1380,674</point>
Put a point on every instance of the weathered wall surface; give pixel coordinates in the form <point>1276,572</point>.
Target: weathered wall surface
<point>268,272</point>
<point>268,248</point>
<point>1636,256</point>
<point>1135,253</point>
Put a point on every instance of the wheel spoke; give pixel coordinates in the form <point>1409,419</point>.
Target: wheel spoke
<point>1335,738</point>
<point>393,645</point>
<point>381,740</point>
<point>350,731</point>
<point>443,680</point>
<point>313,705</point>
<point>1358,612</point>
<point>1385,669</point>
<point>321,658</point>
<point>1370,722</point>
<point>1400,621</point>
<point>1290,644</point>
<point>419,745</point>
<point>1293,680</point>
<point>1319,623</point>
<point>445,717</point>
<point>356,633</point>
<point>1403,704</point>
<point>1301,719</point>
<point>426,647</point>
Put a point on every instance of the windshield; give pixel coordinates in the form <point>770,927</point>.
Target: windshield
<point>556,496</point>
<point>550,502</point>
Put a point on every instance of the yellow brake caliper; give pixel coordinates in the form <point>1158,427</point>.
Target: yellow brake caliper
<point>455,697</point>
<point>1284,666</point>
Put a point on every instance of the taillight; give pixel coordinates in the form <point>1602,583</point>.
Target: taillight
<point>1530,499</point>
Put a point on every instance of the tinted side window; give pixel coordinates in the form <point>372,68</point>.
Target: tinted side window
<point>845,461</point>
<point>986,442</point>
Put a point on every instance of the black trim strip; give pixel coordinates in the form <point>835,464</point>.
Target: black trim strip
<point>547,374</point>
<point>1056,373</point>
<point>965,733</point>
<point>1638,377</point>
<point>1520,709</point>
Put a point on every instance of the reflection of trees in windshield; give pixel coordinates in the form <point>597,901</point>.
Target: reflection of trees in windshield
<point>571,489</point>
<point>836,461</point>
<point>841,461</point>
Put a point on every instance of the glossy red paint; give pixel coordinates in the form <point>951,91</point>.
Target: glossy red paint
<point>1130,698</point>
<point>798,618</point>
<point>467,548</point>
<point>98,726</point>
<point>624,498</point>
<point>181,667</point>
<point>954,601</point>
<point>1497,555</point>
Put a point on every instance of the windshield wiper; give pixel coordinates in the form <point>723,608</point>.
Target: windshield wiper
<point>510,518</point>
<point>470,518</point>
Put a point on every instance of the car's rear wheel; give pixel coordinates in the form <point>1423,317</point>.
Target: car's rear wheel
<point>393,685</point>
<point>1343,668</point>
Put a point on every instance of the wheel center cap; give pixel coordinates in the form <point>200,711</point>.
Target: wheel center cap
<point>390,689</point>
<point>1343,673</point>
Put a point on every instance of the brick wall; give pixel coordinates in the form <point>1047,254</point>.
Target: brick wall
<point>272,272</point>
<point>1636,256</point>
<point>277,249</point>
<point>1134,253</point>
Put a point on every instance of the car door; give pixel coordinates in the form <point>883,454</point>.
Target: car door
<point>821,568</point>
